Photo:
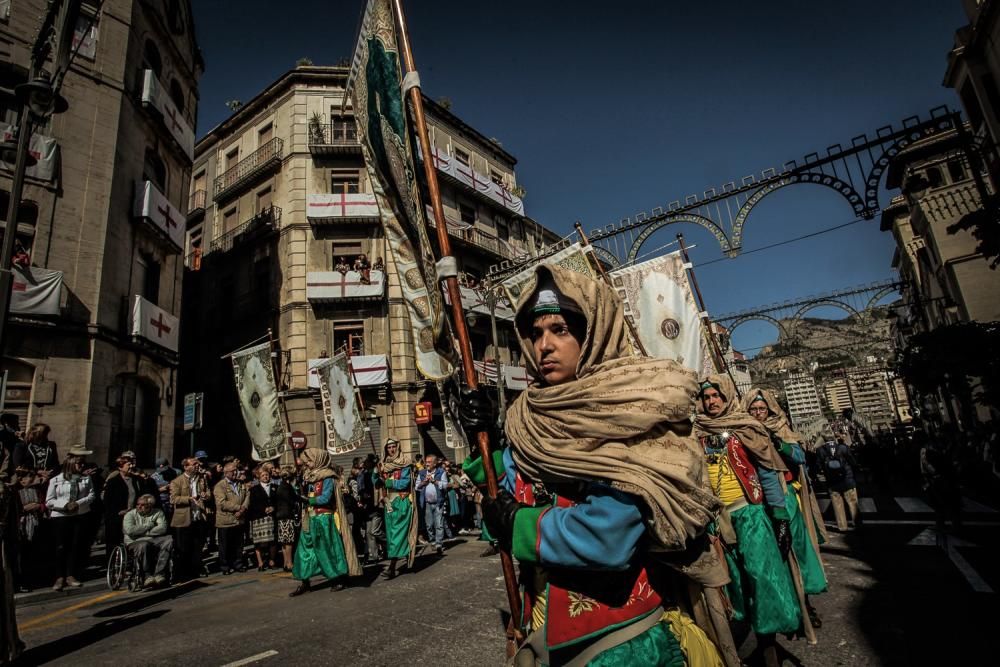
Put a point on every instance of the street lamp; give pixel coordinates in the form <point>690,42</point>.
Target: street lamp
<point>39,96</point>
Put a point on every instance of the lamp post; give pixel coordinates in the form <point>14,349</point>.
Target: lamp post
<point>38,99</point>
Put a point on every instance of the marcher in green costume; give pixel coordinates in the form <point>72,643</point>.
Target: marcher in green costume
<point>395,476</point>
<point>325,543</point>
<point>763,406</point>
<point>473,467</point>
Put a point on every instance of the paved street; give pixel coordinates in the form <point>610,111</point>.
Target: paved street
<point>898,596</point>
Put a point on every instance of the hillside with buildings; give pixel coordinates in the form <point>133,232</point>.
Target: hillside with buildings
<point>821,367</point>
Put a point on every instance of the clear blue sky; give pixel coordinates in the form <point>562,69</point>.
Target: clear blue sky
<point>614,108</point>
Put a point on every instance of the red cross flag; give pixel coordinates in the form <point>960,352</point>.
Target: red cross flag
<point>341,205</point>
<point>152,205</point>
<point>154,95</point>
<point>154,324</point>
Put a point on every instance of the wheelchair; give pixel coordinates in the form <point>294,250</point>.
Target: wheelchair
<point>123,570</point>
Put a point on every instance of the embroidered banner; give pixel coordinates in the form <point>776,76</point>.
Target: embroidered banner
<point>659,302</point>
<point>384,133</point>
<point>344,427</point>
<point>258,396</point>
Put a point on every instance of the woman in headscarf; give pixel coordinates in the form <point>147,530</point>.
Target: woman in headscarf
<point>799,499</point>
<point>395,476</point>
<point>600,484</point>
<point>325,544</point>
<point>744,474</point>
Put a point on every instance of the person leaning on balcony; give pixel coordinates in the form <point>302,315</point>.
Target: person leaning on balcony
<point>342,265</point>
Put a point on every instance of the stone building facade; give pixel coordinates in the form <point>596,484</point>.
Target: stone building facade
<point>284,203</point>
<point>101,214</point>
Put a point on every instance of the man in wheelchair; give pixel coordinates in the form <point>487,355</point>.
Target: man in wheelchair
<point>145,529</point>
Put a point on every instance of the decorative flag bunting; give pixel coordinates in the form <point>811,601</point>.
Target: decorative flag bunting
<point>344,427</point>
<point>258,396</point>
<point>384,133</point>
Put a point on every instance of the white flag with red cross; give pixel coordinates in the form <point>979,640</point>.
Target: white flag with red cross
<point>156,325</point>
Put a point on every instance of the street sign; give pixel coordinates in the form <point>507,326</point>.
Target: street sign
<point>193,410</point>
<point>422,412</point>
<point>299,440</point>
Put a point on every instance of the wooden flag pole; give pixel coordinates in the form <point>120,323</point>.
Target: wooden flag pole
<point>357,392</point>
<point>600,269</point>
<point>706,321</point>
<point>461,329</point>
<point>277,387</point>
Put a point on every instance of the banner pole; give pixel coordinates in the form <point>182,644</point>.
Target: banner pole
<point>584,241</point>
<point>705,320</point>
<point>357,392</point>
<point>281,400</point>
<point>458,314</point>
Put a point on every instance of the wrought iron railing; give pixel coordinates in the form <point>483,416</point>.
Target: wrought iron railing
<point>249,166</point>
<point>268,219</point>
<point>196,202</point>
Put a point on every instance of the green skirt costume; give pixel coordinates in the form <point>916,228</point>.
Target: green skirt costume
<point>320,550</point>
<point>813,578</point>
<point>761,589</point>
<point>656,647</point>
<point>398,516</point>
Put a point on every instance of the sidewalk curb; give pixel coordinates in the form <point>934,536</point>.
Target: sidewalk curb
<point>47,594</point>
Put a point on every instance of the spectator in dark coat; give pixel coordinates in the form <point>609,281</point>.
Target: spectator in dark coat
<point>36,452</point>
<point>120,494</point>
<point>286,515</point>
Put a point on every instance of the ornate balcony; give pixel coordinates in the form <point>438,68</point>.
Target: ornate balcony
<point>487,190</point>
<point>261,225</point>
<point>253,166</point>
<point>325,287</point>
<point>337,138</point>
<point>196,204</point>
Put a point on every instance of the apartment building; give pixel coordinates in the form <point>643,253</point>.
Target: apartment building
<point>100,227</point>
<point>802,398</point>
<point>281,209</point>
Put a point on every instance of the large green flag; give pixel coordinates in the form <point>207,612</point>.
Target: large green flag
<point>383,128</point>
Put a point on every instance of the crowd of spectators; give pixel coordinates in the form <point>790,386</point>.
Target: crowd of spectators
<point>172,520</point>
<point>361,265</point>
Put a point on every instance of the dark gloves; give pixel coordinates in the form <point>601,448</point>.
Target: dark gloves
<point>783,535</point>
<point>498,513</point>
<point>475,410</point>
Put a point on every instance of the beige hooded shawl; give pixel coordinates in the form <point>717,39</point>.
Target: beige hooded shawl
<point>735,420</point>
<point>777,423</point>
<point>623,420</point>
<point>319,467</point>
<point>389,466</point>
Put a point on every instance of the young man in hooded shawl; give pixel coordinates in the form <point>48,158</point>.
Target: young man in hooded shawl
<point>601,485</point>
<point>395,476</point>
<point>325,543</point>
<point>744,474</point>
<point>806,520</point>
